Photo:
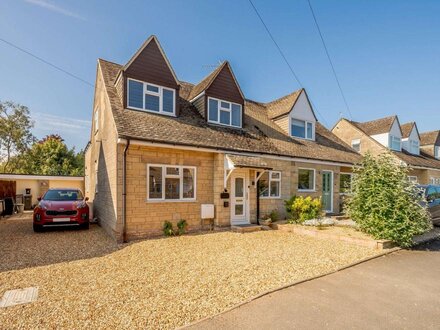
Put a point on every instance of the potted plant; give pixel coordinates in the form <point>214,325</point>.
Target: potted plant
<point>266,220</point>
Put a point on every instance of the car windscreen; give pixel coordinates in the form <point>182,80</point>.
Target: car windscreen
<point>63,195</point>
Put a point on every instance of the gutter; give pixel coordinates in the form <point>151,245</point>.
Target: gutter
<point>124,193</point>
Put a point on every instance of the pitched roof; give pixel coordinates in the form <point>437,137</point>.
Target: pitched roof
<point>378,126</point>
<point>283,105</point>
<point>428,138</point>
<point>407,129</point>
<point>260,135</point>
<point>423,160</point>
<point>248,161</point>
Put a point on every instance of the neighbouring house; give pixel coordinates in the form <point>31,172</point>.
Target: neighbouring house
<point>27,188</point>
<point>164,149</point>
<point>403,141</point>
<point>430,144</point>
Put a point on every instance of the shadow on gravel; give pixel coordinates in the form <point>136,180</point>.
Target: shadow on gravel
<point>21,248</point>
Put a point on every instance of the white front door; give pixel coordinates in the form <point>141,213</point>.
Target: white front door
<point>239,198</point>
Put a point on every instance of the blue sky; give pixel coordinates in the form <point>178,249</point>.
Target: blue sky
<point>386,53</point>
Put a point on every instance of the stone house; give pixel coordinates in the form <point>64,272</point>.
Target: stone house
<point>162,149</point>
<point>403,141</point>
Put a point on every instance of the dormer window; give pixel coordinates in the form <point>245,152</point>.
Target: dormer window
<point>414,147</point>
<point>150,97</point>
<point>224,112</point>
<point>302,129</point>
<point>395,143</point>
<point>437,152</point>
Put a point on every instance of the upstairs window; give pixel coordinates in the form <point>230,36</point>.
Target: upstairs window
<point>224,113</point>
<point>150,97</point>
<point>270,184</point>
<point>356,145</point>
<point>437,152</point>
<point>414,147</point>
<point>96,120</point>
<point>301,129</point>
<point>395,143</point>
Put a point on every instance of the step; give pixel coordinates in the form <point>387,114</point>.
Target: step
<point>245,228</point>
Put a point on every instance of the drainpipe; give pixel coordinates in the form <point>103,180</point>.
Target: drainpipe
<point>124,193</point>
<point>258,202</point>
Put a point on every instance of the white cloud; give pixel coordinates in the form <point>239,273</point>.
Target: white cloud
<point>57,9</point>
<point>57,124</point>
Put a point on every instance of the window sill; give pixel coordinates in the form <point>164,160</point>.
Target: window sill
<point>306,190</point>
<point>169,114</point>
<point>301,138</point>
<point>270,197</point>
<point>170,200</point>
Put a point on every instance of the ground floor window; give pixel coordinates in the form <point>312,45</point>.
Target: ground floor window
<point>171,182</point>
<point>435,181</point>
<point>345,183</point>
<point>270,184</point>
<point>306,179</point>
<point>413,178</point>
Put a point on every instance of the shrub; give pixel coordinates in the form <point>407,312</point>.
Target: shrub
<point>385,204</point>
<point>288,206</point>
<point>181,226</point>
<point>306,209</point>
<point>168,228</point>
<point>274,215</point>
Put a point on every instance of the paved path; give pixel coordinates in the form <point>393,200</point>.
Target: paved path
<point>397,291</point>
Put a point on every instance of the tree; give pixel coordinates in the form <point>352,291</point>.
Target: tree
<point>15,133</point>
<point>51,156</point>
<point>385,204</point>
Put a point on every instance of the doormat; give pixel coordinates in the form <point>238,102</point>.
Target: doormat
<point>19,296</point>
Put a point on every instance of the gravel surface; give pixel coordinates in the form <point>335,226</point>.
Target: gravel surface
<point>160,283</point>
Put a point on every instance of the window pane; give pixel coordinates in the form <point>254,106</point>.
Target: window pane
<point>172,171</point>
<point>188,183</point>
<point>275,188</point>
<point>264,185</point>
<point>239,209</point>
<point>213,110</point>
<point>305,179</point>
<point>172,188</point>
<point>236,115</point>
<point>135,92</point>
<point>345,183</point>
<point>168,101</point>
<point>309,130</point>
<point>275,175</point>
<point>239,187</point>
<point>155,182</point>
<point>225,117</point>
<point>298,128</point>
<point>225,105</point>
<point>152,102</point>
<point>152,88</point>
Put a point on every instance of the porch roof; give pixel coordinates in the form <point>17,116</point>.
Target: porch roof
<point>248,162</point>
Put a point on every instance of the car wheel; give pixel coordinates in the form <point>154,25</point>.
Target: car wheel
<point>38,228</point>
<point>85,225</point>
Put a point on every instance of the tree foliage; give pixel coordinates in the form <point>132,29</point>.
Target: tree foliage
<point>15,133</point>
<point>385,204</point>
<point>51,156</point>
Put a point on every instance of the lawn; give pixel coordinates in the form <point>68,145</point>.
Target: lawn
<point>163,283</point>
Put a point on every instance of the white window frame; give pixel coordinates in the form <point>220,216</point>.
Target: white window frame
<point>96,120</point>
<point>413,178</point>
<point>159,94</point>
<point>291,119</point>
<point>395,138</point>
<point>414,146</point>
<point>270,180</point>
<point>225,109</point>
<point>314,180</point>
<point>351,183</point>
<point>355,142</point>
<point>165,175</point>
<point>437,152</point>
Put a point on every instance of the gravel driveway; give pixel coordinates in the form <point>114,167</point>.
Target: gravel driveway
<point>158,283</point>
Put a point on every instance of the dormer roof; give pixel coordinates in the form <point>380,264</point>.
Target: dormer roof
<point>283,105</point>
<point>377,126</point>
<point>407,129</point>
<point>429,138</point>
<point>206,82</point>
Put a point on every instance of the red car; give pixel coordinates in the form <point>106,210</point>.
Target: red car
<point>61,207</point>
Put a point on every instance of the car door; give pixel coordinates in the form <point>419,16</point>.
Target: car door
<point>433,198</point>
<point>436,205</point>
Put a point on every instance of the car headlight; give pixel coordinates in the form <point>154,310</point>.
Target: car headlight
<point>81,205</point>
